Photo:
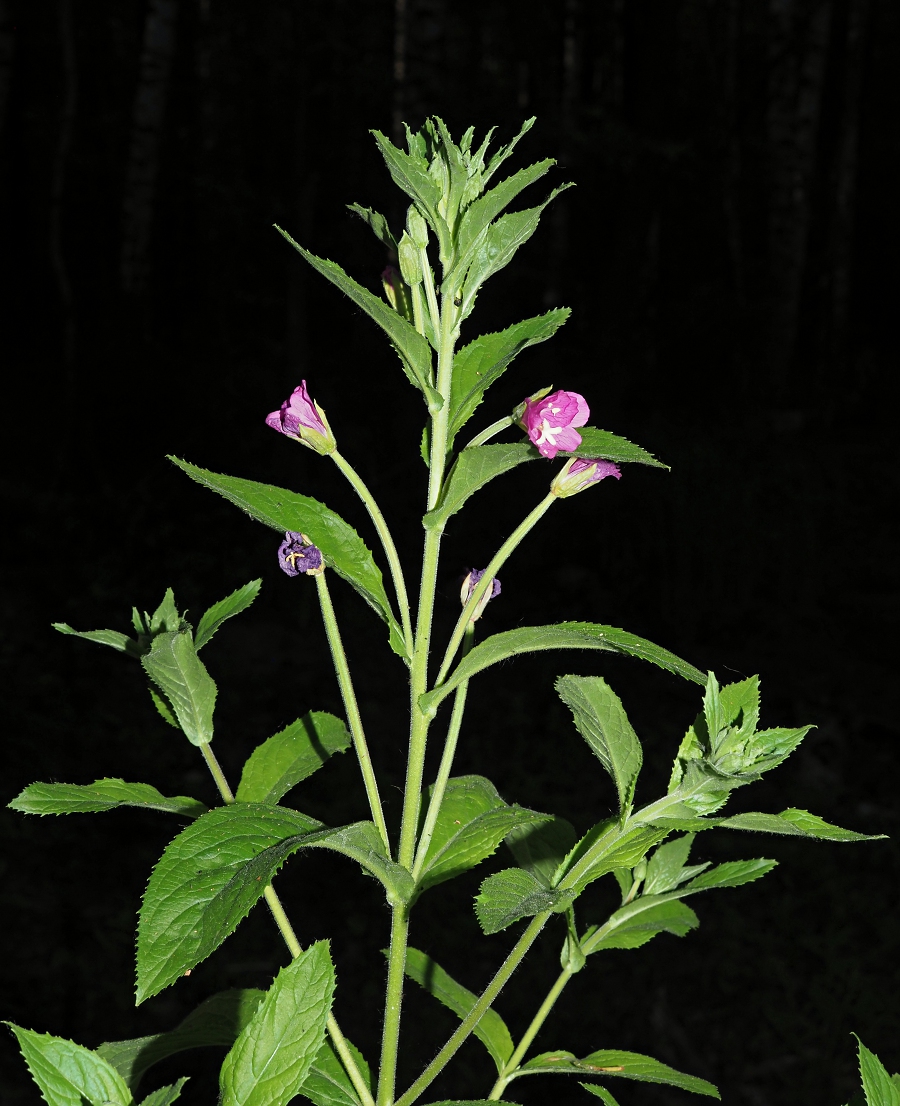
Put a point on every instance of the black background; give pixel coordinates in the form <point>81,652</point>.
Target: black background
<point>729,253</point>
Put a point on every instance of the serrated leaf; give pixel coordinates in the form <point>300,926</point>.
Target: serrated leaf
<point>491,1029</point>
<point>601,443</point>
<point>342,548</point>
<point>564,635</point>
<point>290,756</point>
<point>272,1057</point>
<point>412,349</point>
<point>68,1074</point>
<point>734,873</point>
<point>483,361</point>
<point>105,794</point>
<point>666,867</point>
<point>213,873</point>
<point>165,1096</point>
<point>795,823</point>
<point>513,894</point>
<point>634,925</point>
<point>472,469</point>
<point>627,1065</point>
<point>327,1083</point>
<point>410,173</point>
<point>175,668</point>
<point>122,643</point>
<point>163,707</point>
<point>604,848</point>
<point>472,822</point>
<point>601,720</point>
<point>226,608</point>
<point>216,1021</point>
<point>600,1092</point>
<point>377,224</point>
<point>879,1088</point>
<point>166,619</point>
<point>540,849</point>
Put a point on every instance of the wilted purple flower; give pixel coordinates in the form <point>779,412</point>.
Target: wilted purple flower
<point>301,418</point>
<point>550,422</point>
<point>470,582</point>
<point>579,473</point>
<point>298,555</point>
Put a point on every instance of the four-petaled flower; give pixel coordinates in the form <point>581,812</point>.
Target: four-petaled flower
<point>301,418</point>
<point>470,582</point>
<point>298,555</point>
<point>579,473</point>
<point>550,422</point>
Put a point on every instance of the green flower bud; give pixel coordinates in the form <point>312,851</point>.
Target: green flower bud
<point>417,227</point>
<point>410,265</point>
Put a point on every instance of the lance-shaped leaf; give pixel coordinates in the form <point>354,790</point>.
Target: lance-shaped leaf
<point>217,1021</point>
<point>879,1088</point>
<point>796,823</point>
<point>541,849</point>
<point>473,468</point>
<point>627,1065</point>
<point>173,665</point>
<point>600,1092</point>
<point>214,872</point>
<point>513,894</point>
<point>341,546</point>
<point>491,1029</point>
<point>328,1083</point>
<point>226,608</point>
<point>667,868</point>
<point>412,349</point>
<point>472,822</point>
<point>165,1096</point>
<point>105,794</point>
<point>601,443</point>
<point>68,1074</point>
<point>630,928</point>
<point>605,847</point>
<point>602,722</point>
<point>409,172</point>
<point>272,1057</point>
<point>122,643</point>
<point>377,224</point>
<point>564,635</point>
<point>482,362</point>
<point>290,756</point>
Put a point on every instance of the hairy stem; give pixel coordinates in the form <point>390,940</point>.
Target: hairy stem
<point>387,543</point>
<point>217,774</point>
<point>490,432</point>
<point>390,1040</point>
<point>342,669</point>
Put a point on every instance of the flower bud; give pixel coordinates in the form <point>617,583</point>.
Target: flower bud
<point>470,582</point>
<point>417,227</point>
<point>410,265</point>
<point>579,473</point>
<point>302,419</point>
<point>396,292</point>
<point>297,555</point>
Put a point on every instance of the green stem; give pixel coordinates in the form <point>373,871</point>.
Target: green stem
<point>390,1041</point>
<point>428,282</point>
<point>440,784</point>
<point>353,717</point>
<point>418,311</point>
<point>490,572</point>
<point>387,543</point>
<point>294,947</point>
<point>474,1015</point>
<point>490,431</point>
<point>530,1033</point>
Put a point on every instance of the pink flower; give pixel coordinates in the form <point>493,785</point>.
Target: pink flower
<point>551,421</point>
<point>579,473</point>
<point>302,419</point>
<point>470,582</point>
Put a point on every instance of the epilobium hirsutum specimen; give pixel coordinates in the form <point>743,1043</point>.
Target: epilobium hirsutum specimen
<point>287,1041</point>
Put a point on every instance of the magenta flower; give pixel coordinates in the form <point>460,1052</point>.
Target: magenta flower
<point>298,555</point>
<point>302,419</point>
<point>470,582</point>
<point>579,473</point>
<point>550,422</point>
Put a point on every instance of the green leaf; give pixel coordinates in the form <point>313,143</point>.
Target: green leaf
<point>216,1021</point>
<point>412,349</point>
<point>602,722</point>
<point>213,873</point>
<point>410,173</point>
<point>473,468</point>
<point>604,848</point>
<point>879,1088</point>
<point>491,1030</point>
<point>601,443</point>
<point>328,1083</point>
<point>564,635</point>
<point>628,1065</point>
<point>600,1092</point>
<point>541,849</point>
<point>122,643</point>
<point>105,794</point>
<point>175,668</point>
<point>290,756</point>
<point>482,362</point>
<point>272,1057</point>
<point>163,707</point>
<point>226,608</point>
<point>513,894</point>
<point>635,924</point>
<point>377,223</point>
<point>165,1096</point>
<point>341,546</point>
<point>734,873</point>
<point>472,822</point>
<point>165,619</point>
<point>795,823</point>
<point>68,1074</point>
<point>666,868</point>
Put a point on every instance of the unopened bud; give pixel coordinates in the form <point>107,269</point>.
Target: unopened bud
<point>417,227</point>
<point>410,265</point>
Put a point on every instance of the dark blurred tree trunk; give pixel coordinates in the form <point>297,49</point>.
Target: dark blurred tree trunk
<point>57,188</point>
<point>146,138</point>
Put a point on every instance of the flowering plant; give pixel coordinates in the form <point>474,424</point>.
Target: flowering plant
<point>287,1041</point>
